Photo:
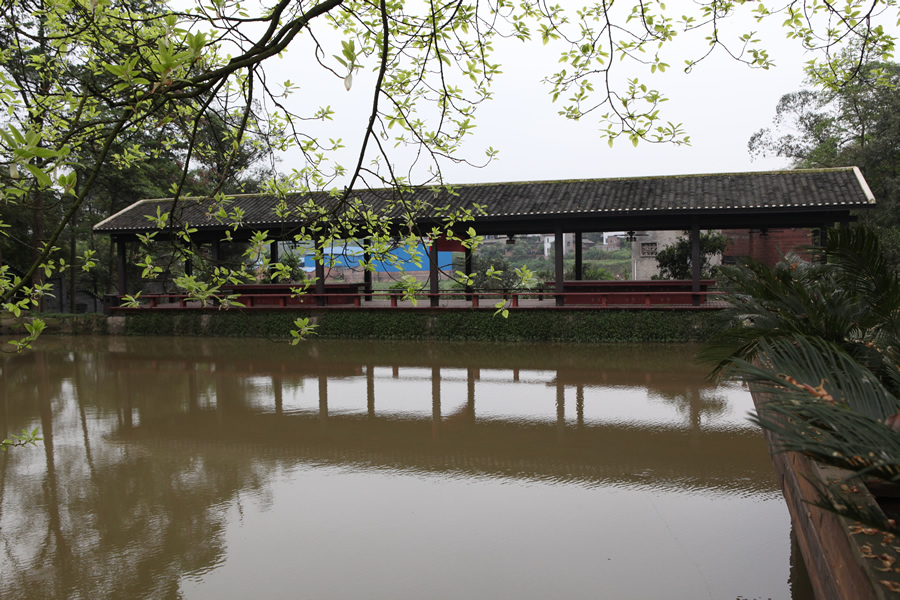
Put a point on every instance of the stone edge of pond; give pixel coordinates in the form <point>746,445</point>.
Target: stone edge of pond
<point>534,326</point>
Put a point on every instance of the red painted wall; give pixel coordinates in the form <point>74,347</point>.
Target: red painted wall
<point>769,248</point>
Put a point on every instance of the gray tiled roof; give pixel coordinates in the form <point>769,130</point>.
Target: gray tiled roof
<point>744,193</point>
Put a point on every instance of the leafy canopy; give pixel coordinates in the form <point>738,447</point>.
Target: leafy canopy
<point>675,260</point>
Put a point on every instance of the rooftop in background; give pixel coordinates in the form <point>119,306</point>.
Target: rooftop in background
<point>736,200</point>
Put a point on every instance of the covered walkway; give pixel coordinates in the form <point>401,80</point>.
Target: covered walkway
<point>804,198</point>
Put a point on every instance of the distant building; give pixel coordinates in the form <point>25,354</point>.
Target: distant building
<point>345,262</point>
<point>765,246</point>
<point>549,239</point>
<point>644,248</point>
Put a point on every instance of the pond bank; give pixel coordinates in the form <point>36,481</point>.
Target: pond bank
<point>537,326</point>
<point>845,561</point>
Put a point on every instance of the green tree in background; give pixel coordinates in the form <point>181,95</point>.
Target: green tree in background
<point>857,124</point>
<point>675,259</point>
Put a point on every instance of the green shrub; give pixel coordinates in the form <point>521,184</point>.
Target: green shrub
<point>590,326</point>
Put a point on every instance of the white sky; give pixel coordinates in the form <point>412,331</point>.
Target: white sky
<point>721,104</point>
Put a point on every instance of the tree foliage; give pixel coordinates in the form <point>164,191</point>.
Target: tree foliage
<point>675,260</point>
<point>857,124</point>
<point>82,82</point>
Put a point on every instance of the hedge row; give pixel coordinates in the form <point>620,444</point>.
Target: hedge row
<point>534,326</point>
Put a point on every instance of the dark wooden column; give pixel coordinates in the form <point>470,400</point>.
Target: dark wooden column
<point>579,271</point>
<point>273,252</point>
<point>433,273</point>
<point>320,275</point>
<point>468,270</point>
<point>560,265</point>
<point>695,264</point>
<point>188,266</point>
<point>367,274</point>
<point>120,267</point>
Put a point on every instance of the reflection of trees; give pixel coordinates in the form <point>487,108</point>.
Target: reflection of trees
<point>101,520</point>
<point>695,403</point>
<point>145,449</point>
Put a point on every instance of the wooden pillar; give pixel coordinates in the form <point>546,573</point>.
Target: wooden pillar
<point>560,265</point>
<point>189,266</point>
<point>579,270</point>
<point>120,266</point>
<point>433,273</point>
<point>468,270</point>
<point>273,252</point>
<point>215,251</point>
<point>320,274</point>
<point>695,264</point>
<point>367,274</point>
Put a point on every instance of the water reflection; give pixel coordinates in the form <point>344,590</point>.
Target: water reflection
<point>157,450</point>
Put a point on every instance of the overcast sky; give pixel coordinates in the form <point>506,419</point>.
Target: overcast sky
<point>721,104</point>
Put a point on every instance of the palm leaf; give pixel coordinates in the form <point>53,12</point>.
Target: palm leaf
<point>835,435</point>
<point>799,368</point>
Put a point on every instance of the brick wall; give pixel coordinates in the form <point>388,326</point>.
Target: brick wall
<point>767,248</point>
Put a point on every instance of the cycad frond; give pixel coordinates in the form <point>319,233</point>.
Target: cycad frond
<point>821,344</point>
<point>834,435</point>
<point>800,368</point>
<point>862,270</point>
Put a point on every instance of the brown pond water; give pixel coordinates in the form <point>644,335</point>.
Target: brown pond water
<point>211,469</point>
